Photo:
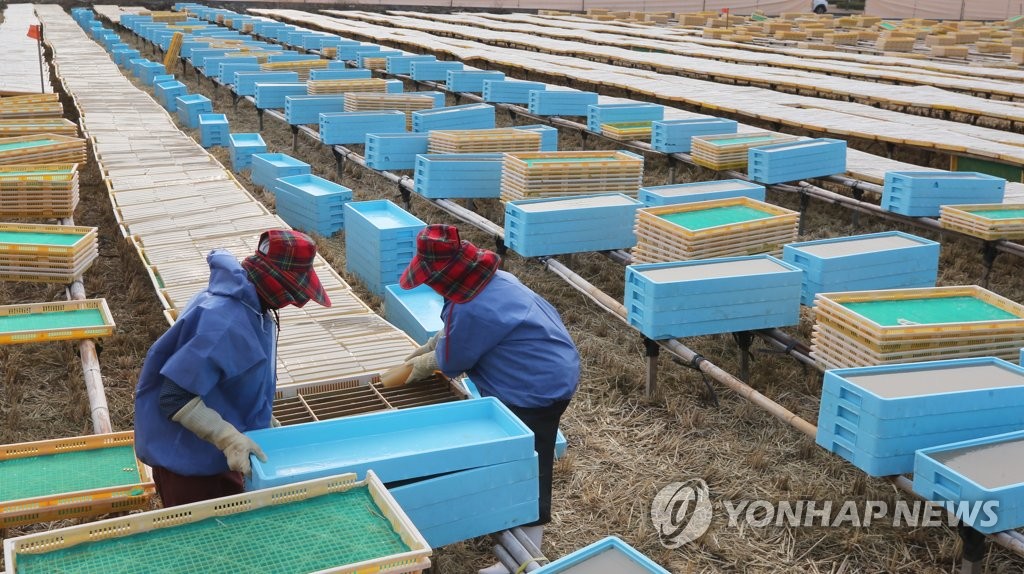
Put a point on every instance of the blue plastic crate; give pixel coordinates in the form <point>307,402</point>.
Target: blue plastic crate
<point>400,64</point>
<point>352,127</point>
<point>350,52</point>
<point>464,117</point>
<point>895,280</point>
<point>297,221</point>
<point>510,91</point>
<point>267,167</point>
<point>673,136</point>
<point>301,110</point>
<point>245,82</point>
<point>470,80</point>
<point>166,94</point>
<point>560,102</point>
<point>316,191</point>
<point>548,136</point>
<point>792,161</point>
<point>431,491</point>
<point>211,66</point>
<point>969,473</point>
<point>552,226</point>
<point>700,191</point>
<point>123,56</point>
<point>163,78</point>
<point>271,95</point>
<point>147,70</point>
<point>620,113</point>
<point>395,151</point>
<point>242,147</point>
<point>226,71</point>
<point>685,299</point>
<point>415,311</point>
<point>350,74</point>
<point>313,41</point>
<point>921,193</point>
<point>381,221</point>
<point>361,60</point>
<point>198,56</point>
<point>466,175</point>
<point>292,57</point>
<point>603,557</point>
<point>190,106</point>
<point>495,521</point>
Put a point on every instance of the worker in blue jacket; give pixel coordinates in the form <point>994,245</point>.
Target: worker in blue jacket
<point>212,375</point>
<point>509,340</point>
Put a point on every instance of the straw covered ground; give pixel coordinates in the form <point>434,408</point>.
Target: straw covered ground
<point>623,448</point>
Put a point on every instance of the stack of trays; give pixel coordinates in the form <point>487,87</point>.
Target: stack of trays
<point>627,131</point>
<point>42,191</point>
<point>300,67</point>
<point>483,141</point>
<point>353,52</point>
<point>604,556</point>
<point>470,80</point>
<point>242,147</point>
<point>673,136</point>
<point>394,151</point>
<point>548,135</point>
<point>510,91</point>
<point>31,106</point>
<point>190,106</point>
<point>400,64</point>
<point>58,321</point>
<point>349,74</point>
<point>889,260</point>
<point>122,56</point>
<point>311,204</point>
<point>226,71</point>
<point>333,399</point>
<point>352,127</point>
<point>537,227</point>
<point>862,328</point>
<point>560,102</point>
<point>922,193</point>
<point>301,110</point>
<point>599,114</point>
<point>989,222</point>
<point>405,103</point>
<point>270,96</point>
<point>464,117</point>
<point>147,70</point>
<point>31,126</point>
<point>41,149</point>
<point>465,175</point>
<point>731,151</point>
<point>716,228</point>
<point>415,311</point>
<point>700,191</point>
<point>877,417</point>
<point>553,174</point>
<point>460,470</point>
<point>268,167</point>
<point>245,82</point>
<point>377,60</point>
<point>982,472</point>
<point>380,240</point>
<point>793,161</point>
<point>213,130</point>
<point>686,299</point>
<point>427,71</point>
<point>167,92</point>
<point>46,253</point>
<point>319,87</point>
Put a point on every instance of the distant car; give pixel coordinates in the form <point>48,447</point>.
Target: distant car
<point>819,6</point>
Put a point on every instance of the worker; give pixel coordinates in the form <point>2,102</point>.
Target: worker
<point>212,375</point>
<point>509,340</point>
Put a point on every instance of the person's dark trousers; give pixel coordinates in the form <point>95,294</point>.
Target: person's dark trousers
<point>543,422</point>
<point>175,489</point>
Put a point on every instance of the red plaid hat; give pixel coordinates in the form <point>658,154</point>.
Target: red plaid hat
<point>282,270</point>
<point>456,269</point>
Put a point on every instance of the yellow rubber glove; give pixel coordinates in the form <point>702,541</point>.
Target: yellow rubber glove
<point>423,367</point>
<point>209,426</point>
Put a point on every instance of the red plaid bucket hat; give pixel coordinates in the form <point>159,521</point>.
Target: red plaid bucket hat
<point>282,270</point>
<point>456,269</point>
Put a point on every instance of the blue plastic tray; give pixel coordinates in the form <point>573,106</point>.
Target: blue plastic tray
<point>791,161</point>
<point>673,136</point>
<point>270,96</point>
<point>700,191</point>
<point>415,311</point>
<point>433,71</point>
<point>560,102</point>
<point>470,80</point>
<point>350,74</point>
<point>464,117</point>
<point>607,556</point>
<point>619,113</point>
<point>400,64</point>
<point>510,91</point>
<point>245,82</point>
<point>395,151</point>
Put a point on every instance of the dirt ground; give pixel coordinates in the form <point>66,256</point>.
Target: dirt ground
<point>623,448</point>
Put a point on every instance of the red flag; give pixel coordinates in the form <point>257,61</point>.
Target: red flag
<point>33,32</point>
<point>725,10</point>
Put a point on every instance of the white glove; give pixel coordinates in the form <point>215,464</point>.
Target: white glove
<point>209,426</point>
<point>274,423</point>
<point>423,367</point>
<point>427,347</point>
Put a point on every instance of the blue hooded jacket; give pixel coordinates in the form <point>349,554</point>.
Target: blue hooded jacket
<point>220,348</point>
<point>512,344</point>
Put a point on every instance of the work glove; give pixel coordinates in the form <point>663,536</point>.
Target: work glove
<point>423,367</point>
<point>427,347</point>
<point>209,426</point>
<point>274,423</point>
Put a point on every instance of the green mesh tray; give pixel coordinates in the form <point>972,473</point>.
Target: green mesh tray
<point>706,218</point>
<point>33,238</point>
<point>26,145</point>
<point>997,213</point>
<point>55,320</point>
<point>929,311</point>
<point>532,162</point>
<point>66,472</point>
<point>739,140</point>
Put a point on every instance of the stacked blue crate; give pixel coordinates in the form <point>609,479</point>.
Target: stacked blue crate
<point>226,71</point>
<point>622,113</point>
<point>135,66</point>
<point>548,136</point>
<point>400,64</point>
<point>361,60</point>
<point>560,102</point>
<point>676,193</point>
<point>554,226</point>
<point>673,136</point>
<point>311,204</point>
<point>147,70</point>
<point>921,193</point>
<point>213,130</point>
<point>190,106</point>
<point>211,66</point>
<point>433,71</point>
<point>417,311</point>
<point>301,110</point>
<point>271,96</point>
<point>167,92</point>
<point>199,55</point>
<point>877,417</point>
<point>267,168</point>
<point>162,78</point>
<point>561,444</point>
<point>380,241</point>
<point>354,52</point>
<point>312,41</point>
<point>395,151</point>
<point>464,117</point>
<point>245,82</point>
<point>888,260</point>
<point>510,91</point>
<point>793,161</point>
<point>458,175</point>
<point>123,55</point>
<point>470,80</point>
<point>352,127</point>
<point>350,74</point>
<point>712,296</point>
<point>598,558</point>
